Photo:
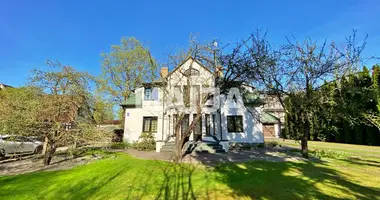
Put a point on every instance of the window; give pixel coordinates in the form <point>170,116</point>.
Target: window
<point>196,97</point>
<point>198,126</point>
<point>235,123</point>
<point>177,94</point>
<point>207,124</point>
<point>186,95</point>
<point>148,94</point>
<point>191,72</point>
<point>150,124</point>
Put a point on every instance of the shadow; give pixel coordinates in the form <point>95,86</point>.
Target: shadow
<point>177,182</point>
<point>363,162</point>
<point>221,176</point>
<point>291,180</point>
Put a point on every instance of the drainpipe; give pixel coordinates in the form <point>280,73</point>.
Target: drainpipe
<point>220,122</point>
<point>163,117</point>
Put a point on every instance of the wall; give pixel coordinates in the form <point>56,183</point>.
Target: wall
<point>134,116</point>
<point>251,125</point>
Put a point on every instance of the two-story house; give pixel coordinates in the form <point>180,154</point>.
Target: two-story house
<point>225,118</point>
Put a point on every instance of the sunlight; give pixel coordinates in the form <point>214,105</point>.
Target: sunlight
<point>241,166</point>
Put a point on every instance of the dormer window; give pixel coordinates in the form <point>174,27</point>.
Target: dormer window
<point>234,99</point>
<point>191,72</point>
<point>150,94</point>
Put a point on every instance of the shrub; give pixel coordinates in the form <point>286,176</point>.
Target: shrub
<point>146,142</point>
<point>327,154</point>
<point>271,144</point>
<point>261,145</point>
<point>120,145</point>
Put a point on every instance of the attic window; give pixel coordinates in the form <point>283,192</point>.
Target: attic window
<point>234,99</point>
<point>191,72</point>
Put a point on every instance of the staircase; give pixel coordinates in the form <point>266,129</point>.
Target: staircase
<point>208,147</point>
<point>200,147</point>
<point>168,147</point>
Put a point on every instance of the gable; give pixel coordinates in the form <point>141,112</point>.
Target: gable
<point>193,63</point>
<point>191,70</point>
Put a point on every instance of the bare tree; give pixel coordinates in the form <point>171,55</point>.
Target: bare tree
<point>294,71</point>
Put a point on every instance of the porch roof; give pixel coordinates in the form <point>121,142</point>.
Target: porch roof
<point>268,118</point>
<point>131,101</point>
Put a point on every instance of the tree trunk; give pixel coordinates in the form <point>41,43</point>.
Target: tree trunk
<point>304,138</point>
<point>44,146</point>
<point>49,154</point>
<point>178,146</point>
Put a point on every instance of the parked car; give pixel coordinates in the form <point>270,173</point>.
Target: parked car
<point>13,144</point>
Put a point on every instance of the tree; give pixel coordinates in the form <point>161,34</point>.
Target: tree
<point>294,71</point>
<point>194,102</point>
<point>103,110</point>
<point>125,68</point>
<point>182,101</point>
<point>18,110</point>
<point>65,114</point>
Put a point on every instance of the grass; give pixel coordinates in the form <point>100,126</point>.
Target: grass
<point>351,149</point>
<point>124,177</point>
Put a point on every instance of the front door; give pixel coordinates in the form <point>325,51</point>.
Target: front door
<point>268,130</point>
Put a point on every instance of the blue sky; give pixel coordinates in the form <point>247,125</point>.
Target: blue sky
<point>77,32</point>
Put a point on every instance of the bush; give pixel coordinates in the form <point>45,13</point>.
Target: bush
<point>271,144</point>
<point>327,154</point>
<point>121,145</point>
<point>146,142</point>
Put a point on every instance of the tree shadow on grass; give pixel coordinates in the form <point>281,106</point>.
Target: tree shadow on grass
<point>129,178</point>
<point>291,180</point>
<point>361,161</point>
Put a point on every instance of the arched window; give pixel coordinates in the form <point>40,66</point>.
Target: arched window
<point>191,72</point>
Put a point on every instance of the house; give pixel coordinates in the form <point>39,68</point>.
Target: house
<point>273,116</point>
<point>226,119</point>
<point>3,86</point>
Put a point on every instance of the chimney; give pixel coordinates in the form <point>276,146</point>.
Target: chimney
<point>164,72</point>
<point>219,71</point>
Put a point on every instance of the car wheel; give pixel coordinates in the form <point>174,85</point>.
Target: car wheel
<point>38,150</point>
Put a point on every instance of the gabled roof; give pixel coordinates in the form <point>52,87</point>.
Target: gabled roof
<point>184,61</point>
<point>3,86</point>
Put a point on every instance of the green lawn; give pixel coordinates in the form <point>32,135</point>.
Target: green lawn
<point>124,177</point>
<point>352,149</point>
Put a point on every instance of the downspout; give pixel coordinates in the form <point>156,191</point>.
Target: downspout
<point>163,115</point>
<point>220,123</point>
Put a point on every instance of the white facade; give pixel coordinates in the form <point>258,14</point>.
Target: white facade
<point>166,103</point>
